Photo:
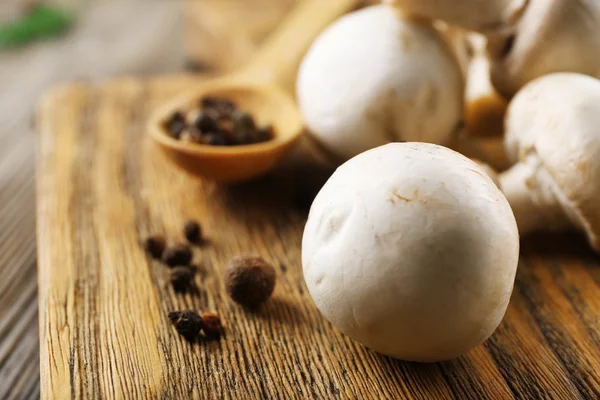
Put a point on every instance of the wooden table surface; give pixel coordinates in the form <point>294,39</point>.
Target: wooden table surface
<point>547,346</point>
<point>153,29</point>
<point>103,187</point>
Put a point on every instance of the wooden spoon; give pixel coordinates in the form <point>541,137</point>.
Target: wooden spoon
<point>258,89</point>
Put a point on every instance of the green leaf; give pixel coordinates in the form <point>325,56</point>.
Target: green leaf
<point>41,22</point>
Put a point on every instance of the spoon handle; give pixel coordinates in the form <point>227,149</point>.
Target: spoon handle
<point>278,58</point>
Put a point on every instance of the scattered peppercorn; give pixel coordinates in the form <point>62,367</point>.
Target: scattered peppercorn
<point>182,279</point>
<point>211,325</point>
<point>192,231</point>
<point>187,323</point>
<point>176,125</point>
<point>249,280</point>
<point>179,254</point>
<point>218,123</point>
<point>155,245</point>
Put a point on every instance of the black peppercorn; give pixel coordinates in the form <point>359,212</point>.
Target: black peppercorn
<point>192,231</point>
<point>211,325</point>
<point>205,123</point>
<point>243,122</point>
<point>179,254</point>
<point>226,107</point>
<point>182,279</point>
<point>176,125</point>
<point>209,102</point>
<point>218,123</point>
<point>249,280</point>
<point>264,134</point>
<point>214,139</point>
<point>155,245</point>
<point>188,323</point>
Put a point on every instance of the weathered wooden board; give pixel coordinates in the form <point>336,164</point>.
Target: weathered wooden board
<point>102,187</point>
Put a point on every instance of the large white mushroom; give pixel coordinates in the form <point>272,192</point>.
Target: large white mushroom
<point>375,77</point>
<point>526,38</point>
<point>412,250</point>
<point>553,135</point>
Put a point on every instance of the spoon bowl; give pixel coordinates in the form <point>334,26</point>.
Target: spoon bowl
<point>259,89</point>
<point>268,104</point>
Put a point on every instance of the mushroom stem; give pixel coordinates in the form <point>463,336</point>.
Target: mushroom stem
<point>530,192</point>
<point>489,150</point>
<point>486,16</point>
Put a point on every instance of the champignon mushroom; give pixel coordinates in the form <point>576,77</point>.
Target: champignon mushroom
<point>553,135</point>
<point>526,38</point>
<point>551,36</point>
<point>412,250</point>
<point>375,77</point>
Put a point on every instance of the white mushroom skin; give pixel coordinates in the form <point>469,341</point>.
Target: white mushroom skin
<point>551,36</point>
<point>553,135</point>
<point>412,250</point>
<point>375,77</point>
<point>527,39</point>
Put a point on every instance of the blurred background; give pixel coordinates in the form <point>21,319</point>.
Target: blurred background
<point>46,43</point>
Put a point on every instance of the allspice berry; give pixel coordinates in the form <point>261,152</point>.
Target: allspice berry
<point>211,325</point>
<point>155,246</point>
<point>179,254</point>
<point>249,280</point>
<point>192,231</point>
<point>188,323</point>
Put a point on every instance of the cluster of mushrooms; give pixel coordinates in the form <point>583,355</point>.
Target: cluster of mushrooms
<point>412,248</point>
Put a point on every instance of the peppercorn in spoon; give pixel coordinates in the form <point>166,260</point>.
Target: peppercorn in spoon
<point>258,90</point>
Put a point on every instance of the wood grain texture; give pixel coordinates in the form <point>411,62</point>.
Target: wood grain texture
<point>152,28</point>
<point>102,187</point>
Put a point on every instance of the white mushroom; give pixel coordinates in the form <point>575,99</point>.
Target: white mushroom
<point>553,131</point>
<point>526,38</point>
<point>551,36</point>
<point>375,77</point>
<point>412,250</point>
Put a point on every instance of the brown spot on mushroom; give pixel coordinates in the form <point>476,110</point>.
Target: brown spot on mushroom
<point>408,41</point>
<point>400,197</point>
<point>584,169</point>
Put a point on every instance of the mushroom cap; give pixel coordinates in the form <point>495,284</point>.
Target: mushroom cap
<point>375,77</point>
<point>554,123</point>
<point>412,250</point>
<point>551,36</point>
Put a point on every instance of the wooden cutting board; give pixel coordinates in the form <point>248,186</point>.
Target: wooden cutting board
<point>103,187</point>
